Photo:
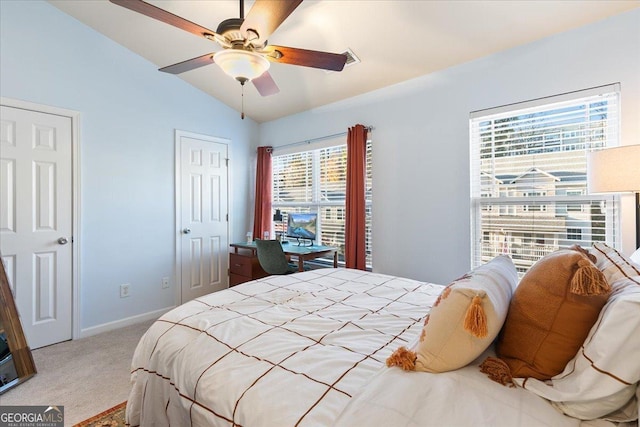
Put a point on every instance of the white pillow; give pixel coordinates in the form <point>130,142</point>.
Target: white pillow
<point>635,257</point>
<point>601,381</point>
<point>464,320</point>
<point>613,264</point>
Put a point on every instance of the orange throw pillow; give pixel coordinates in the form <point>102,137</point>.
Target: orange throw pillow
<point>551,313</point>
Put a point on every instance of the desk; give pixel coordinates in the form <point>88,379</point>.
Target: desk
<point>303,253</point>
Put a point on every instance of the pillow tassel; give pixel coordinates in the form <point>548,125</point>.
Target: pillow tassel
<point>475,321</point>
<point>497,370</point>
<point>406,359</point>
<point>589,280</point>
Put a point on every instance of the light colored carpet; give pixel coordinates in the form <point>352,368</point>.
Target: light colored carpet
<point>86,376</point>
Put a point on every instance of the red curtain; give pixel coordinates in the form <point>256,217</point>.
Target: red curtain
<point>355,256</point>
<point>262,214</point>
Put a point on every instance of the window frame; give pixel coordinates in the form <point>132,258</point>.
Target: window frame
<point>316,204</point>
<point>563,201</point>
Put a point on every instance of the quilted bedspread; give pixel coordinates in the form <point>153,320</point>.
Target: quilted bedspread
<point>280,351</point>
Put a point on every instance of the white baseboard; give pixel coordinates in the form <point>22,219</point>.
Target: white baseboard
<point>117,324</point>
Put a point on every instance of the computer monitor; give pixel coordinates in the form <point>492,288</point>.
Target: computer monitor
<point>302,225</point>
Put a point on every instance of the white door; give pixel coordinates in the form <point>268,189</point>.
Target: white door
<point>36,221</point>
<point>202,215</point>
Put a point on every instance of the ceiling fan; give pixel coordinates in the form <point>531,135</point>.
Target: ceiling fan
<point>246,54</point>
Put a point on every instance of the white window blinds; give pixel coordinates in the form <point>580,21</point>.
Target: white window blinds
<point>316,181</point>
<point>528,176</point>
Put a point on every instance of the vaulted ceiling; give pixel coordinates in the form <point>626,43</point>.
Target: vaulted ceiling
<point>394,40</point>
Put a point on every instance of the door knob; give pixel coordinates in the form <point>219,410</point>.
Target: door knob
<point>186,231</point>
<point>62,241</point>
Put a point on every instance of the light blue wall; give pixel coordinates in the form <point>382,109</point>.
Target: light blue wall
<point>421,196</point>
<point>129,113</point>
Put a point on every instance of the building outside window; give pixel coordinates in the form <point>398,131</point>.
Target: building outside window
<point>530,160</point>
<point>315,181</point>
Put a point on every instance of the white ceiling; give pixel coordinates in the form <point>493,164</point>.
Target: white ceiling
<point>395,40</point>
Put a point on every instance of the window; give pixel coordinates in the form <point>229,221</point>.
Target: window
<point>574,207</point>
<point>529,159</point>
<point>532,196</point>
<point>574,234</point>
<point>315,181</point>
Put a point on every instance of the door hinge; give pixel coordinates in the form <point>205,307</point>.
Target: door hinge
<point>226,162</point>
<point>227,217</point>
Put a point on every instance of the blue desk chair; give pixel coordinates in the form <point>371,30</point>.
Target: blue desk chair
<point>272,258</point>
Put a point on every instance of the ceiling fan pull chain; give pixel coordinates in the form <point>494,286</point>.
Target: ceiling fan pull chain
<point>242,100</point>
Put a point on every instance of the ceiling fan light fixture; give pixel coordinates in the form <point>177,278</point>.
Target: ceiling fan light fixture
<point>241,64</point>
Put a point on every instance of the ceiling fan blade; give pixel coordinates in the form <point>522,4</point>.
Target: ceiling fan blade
<point>163,16</point>
<point>265,84</point>
<point>306,58</point>
<point>265,16</point>
<point>189,64</point>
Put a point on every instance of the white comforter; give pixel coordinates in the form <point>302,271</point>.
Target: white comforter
<point>465,397</point>
<point>294,350</point>
<point>279,351</point>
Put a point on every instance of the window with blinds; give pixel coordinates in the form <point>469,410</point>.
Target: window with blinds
<point>316,181</point>
<point>528,176</point>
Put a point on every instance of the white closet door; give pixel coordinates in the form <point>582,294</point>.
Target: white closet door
<point>36,220</point>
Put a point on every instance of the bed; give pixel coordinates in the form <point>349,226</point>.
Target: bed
<point>309,349</point>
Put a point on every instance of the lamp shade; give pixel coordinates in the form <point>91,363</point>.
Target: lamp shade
<point>241,64</point>
<point>614,170</point>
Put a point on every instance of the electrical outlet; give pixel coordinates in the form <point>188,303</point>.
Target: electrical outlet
<point>124,290</point>
<point>165,282</point>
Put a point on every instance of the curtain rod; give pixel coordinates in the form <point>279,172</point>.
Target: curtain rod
<point>595,89</point>
<point>320,138</point>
